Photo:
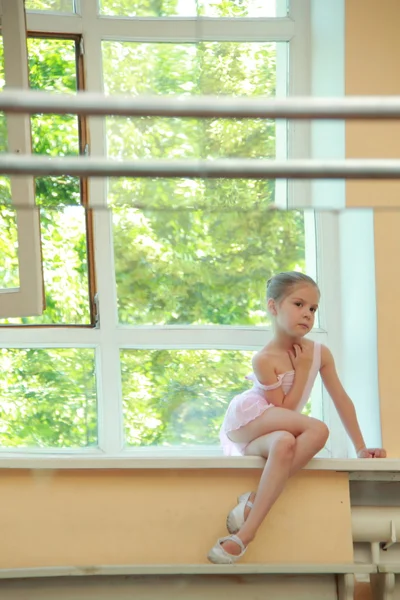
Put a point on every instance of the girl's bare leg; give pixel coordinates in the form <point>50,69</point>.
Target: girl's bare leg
<point>288,440</point>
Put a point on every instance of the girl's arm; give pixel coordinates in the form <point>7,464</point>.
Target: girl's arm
<point>345,407</point>
<point>266,375</point>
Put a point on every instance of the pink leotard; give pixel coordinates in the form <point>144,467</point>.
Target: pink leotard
<point>249,405</point>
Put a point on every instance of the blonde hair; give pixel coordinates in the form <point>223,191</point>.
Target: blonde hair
<point>281,284</point>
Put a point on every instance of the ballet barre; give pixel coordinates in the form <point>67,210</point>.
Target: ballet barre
<point>97,104</point>
<point>82,166</point>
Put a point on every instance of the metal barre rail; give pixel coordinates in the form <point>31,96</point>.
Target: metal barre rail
<point>89,103</point>
<point>16,164</point>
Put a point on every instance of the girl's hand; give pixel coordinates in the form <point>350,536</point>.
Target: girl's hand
<point>301,357</point>
<point>371,453</point>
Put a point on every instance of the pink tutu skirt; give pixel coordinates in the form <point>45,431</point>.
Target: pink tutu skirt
<point>243,408</point>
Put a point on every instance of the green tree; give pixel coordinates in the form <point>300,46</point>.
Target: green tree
<point>48,397</point>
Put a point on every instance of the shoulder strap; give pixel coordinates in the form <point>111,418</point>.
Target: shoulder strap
<point>317,354</point>
<point>273,386</point>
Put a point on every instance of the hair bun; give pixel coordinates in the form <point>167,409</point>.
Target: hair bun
<point>280,284</point>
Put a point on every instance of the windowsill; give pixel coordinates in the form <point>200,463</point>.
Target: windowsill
<point>56,462</point>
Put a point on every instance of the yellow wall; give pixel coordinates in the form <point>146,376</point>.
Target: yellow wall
<point>372,60</point>
<point>372,46</point>
<point>85,518</point>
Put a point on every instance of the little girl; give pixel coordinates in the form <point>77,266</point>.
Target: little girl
<point>267,421</point>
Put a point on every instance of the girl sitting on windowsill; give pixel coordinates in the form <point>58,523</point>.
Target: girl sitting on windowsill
<point>267,421</point>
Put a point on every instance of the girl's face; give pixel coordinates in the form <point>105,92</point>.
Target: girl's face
<point>295,314</point>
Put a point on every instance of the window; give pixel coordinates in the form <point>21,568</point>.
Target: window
<point>21,292</point>
<point>53,66</point>
<point>180,264</point>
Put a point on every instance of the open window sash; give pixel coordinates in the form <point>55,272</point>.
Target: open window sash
<point>28,298</point>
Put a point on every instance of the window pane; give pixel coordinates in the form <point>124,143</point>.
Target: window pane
<point>228,68</point>
<point>65,268</point>
<point>52,68</point>
<point>148,8</point>
<point>179,397</point>
<point>243,8</point>
<point>48,398</point>
<point>217,68</point>
<point>192,8</point>
<point>65,6</point>
<point>179,262</point>
<point>198,267</point>
<point>9,269</point>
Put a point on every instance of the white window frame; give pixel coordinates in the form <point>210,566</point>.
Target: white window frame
<point>110,337</point>
<point>27,299</point>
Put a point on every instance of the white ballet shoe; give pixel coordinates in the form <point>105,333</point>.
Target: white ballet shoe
<point>244,497</point>
<point>218,555</point>
<point>235,519</point>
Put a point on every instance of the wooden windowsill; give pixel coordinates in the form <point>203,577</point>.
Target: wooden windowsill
<point>58,462</point>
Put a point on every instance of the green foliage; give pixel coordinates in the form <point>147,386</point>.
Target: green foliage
<point>48,398</point>
<point>187,266</point>
<point>174,397</point>
<point>237,8</point>
<point>186,251</point>
<point>65,6</point>
<point>201,268</point>
<point>145,8</point>
<point>9,274</point>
